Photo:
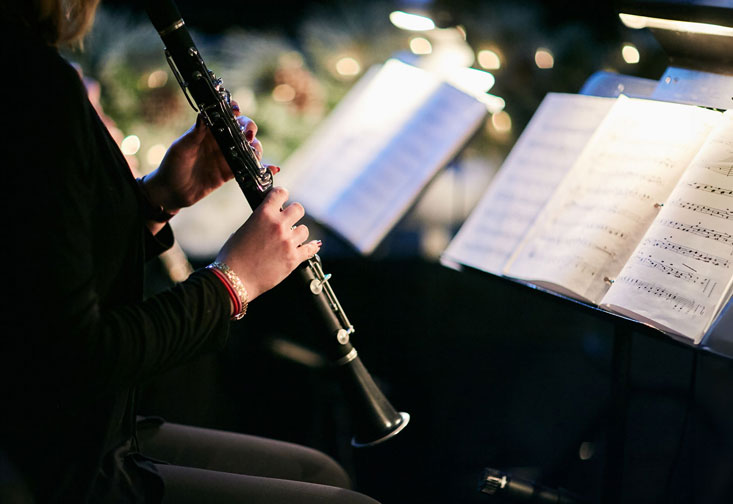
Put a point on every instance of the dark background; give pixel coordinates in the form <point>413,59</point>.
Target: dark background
<point>493,374</point>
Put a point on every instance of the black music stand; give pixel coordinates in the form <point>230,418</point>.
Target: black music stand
<point>700,73</point>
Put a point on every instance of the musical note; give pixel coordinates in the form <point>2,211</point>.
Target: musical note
<point>688,252</point>
<point>618,192</point>
<point>574,262</point>
<point>690,276</point>
<point>576,242</point>
<point>679,302</point>
<point>698,230</point>
<point>613,209</point>
<point>590,226</point>
<point>711,189</point>
<point>725,169</point>
<point>704,209</point>
<point>627,174</point>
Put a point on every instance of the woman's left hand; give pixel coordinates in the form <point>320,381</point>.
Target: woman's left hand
<point>194,166</point>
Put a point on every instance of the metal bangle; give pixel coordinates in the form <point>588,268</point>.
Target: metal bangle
<point>236,284</point>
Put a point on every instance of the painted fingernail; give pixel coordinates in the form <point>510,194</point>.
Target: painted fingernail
<point>274,169</point>
<point>235,107</point>
<point>249,135</point>
<point>319,243</point>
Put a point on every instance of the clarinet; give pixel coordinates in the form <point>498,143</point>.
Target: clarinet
<point>374,418</point>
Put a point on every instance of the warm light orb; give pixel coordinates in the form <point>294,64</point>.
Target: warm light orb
<point>412,22</point>
<point>489,60</point>
<point>630,54</point>
<point>586,450</point>
<point>283,93</point>
<point>157,79</point>
<point>130,145</point>
<point>543,58</point>
<point>155,154</point>
<point>502,122</point>
<point>348,66</point>
<point>420,45</point>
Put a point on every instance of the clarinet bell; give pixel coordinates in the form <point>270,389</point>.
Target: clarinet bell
<point>374,419</point>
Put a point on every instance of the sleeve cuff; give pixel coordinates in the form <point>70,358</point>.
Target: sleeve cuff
<point>158,243</point>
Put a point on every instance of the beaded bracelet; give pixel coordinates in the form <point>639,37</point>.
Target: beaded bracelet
<point>234,285</point>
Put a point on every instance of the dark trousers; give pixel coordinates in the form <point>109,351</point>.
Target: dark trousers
<point>205,465</point>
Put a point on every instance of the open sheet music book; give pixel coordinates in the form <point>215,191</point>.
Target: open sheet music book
<point>363,167</point>
<point>626,204</point>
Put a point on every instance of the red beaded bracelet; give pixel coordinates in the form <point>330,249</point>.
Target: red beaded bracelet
<point>234,285</point>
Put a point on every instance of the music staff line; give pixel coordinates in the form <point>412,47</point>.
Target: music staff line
<point>708,286</point>
<point>725,169</point>
<point>726,213</point>
<point>678,301</point>
<point>699,230</point>
<point>722,191</point>
<point>688,252</point>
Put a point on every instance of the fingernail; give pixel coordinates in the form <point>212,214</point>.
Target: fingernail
<point>274,169</point>
<point>249,135</point>
<point>235,107</point>
<point>319,243</point>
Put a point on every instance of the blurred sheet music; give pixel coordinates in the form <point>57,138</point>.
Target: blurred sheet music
<point>362,169</point>
<point>544,153</point>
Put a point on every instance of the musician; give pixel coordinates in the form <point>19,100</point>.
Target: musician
<point>77,336</point>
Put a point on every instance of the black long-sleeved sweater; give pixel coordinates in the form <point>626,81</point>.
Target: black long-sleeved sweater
<point>77,337</point>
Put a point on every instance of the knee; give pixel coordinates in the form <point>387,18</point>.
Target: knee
<point>320,468</point>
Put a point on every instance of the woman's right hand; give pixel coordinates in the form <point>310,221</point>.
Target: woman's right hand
<point>269,245</point>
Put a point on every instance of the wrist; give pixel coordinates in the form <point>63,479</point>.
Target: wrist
<point>154,208</point>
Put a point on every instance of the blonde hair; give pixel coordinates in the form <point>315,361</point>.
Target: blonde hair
<point>58,22</point>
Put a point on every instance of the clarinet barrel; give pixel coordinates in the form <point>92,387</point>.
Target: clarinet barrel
<point>374,418</point>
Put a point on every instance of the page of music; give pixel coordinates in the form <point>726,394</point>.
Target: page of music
<point>548,146</point>
<point>680,273</point>
<point>600,211</point>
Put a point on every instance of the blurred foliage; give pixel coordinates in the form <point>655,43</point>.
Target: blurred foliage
<point>123,51</point>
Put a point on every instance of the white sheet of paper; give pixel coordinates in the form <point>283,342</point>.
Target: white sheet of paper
<point>680,273</point>
<point>543,154</point>
<point>604,205</point>
<point>363,168</point>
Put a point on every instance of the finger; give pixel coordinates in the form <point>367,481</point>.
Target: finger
<point>276,198</point>
<point>300,234</point>
<point>293,213</point>
<point>257,146</point>
<point>248,127</point>
<point>310,249</point>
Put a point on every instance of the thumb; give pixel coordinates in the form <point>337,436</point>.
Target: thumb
<point>198,131</point>
<point>200,127</point>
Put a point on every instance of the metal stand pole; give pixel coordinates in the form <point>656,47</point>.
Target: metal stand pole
<point>617,416</point>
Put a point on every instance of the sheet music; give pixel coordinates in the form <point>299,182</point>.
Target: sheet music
<point>604,205</point>
<point>365,166</point>
<point>543,154</point>
<point>679,276</point>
